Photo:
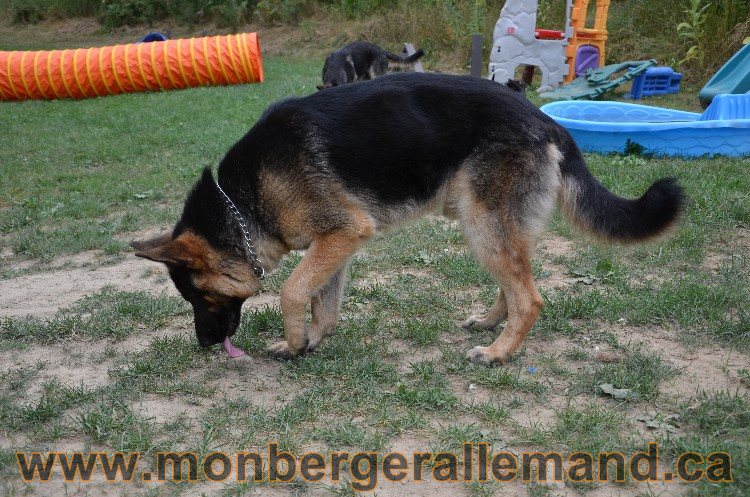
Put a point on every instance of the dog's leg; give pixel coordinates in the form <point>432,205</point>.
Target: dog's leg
<point>497,313</point>
<point>378,68</point>
<point>512,268</point>
<point>325,309</point>
<point>327,255</point>
<point>502,212</point>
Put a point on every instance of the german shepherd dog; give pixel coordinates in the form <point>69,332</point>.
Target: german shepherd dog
<point>361,61</point>
<point>313,174</point>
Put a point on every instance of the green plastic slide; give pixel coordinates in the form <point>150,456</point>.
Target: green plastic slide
<point>596,82</point>
<point>733,77</point>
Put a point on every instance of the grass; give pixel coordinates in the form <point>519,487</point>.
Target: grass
<point>588,428</point>
<point>394,373</point>
<point>118,426</point>
<point>639,371</point>
<point>716,422</point>
<point>108,313</point>
<point>111,185</point>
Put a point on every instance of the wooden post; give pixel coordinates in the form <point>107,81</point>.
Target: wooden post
<point>477,40</point>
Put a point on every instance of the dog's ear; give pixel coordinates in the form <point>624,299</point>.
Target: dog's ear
<point>157,241</point>
<point>163,249</point>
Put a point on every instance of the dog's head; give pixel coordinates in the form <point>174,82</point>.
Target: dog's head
<point>333,74</point>
<point>207,272</point>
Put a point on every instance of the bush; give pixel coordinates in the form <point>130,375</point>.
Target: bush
<point>33,11</point>
<point>116,13</point>
<point>283,11</point>
<point>230,13</point>
<point>711,33</point>
<point>357,8</point>
<point>133,12</point>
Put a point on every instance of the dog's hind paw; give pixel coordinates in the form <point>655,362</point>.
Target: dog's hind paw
<point>281,350</point>
<point>482,355</point>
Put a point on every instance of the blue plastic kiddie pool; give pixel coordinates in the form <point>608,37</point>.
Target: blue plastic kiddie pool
<point>617,127</point>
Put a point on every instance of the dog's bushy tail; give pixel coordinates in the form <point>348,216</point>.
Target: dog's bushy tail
<point>405,59</point>
<point>593,208</point>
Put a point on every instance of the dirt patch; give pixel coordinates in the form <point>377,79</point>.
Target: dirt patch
<point>61,364</point>
<point>256,380</point>
<point>378,278</point>
<point>78,363</point>
<point>162,410</point>
<point>727,250</point>
<point>44,294</point>
<point>709,368</point>
<point>409,354</point>
<point>554,275</point>
<point>713,262</point>
<point>537,415</point>
<point>556,246</point>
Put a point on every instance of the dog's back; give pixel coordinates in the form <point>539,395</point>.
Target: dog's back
<point>401,135</point>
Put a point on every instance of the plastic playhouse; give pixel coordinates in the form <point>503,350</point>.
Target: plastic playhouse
<point>560,55</point>
<point>135,67</point>
<point>616,127</point>
<point>586,47</point>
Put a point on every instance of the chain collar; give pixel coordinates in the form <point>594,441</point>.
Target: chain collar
<point>247,245</point>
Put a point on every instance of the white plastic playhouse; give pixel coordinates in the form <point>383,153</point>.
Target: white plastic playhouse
<point>559,55</point>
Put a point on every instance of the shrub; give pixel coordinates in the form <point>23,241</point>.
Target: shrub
<point>711,33</point>
<point>283,11</point>
<point>118,13</point>
<point>33,11</point>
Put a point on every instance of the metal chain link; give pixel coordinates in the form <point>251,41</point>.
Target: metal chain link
<point>250,254</point>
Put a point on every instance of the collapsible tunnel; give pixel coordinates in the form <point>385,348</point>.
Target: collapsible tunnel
<point>160,65</point>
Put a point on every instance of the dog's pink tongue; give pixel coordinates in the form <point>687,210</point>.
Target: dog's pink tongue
<point>233,351</point>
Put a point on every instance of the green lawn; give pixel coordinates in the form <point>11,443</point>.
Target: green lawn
<point>89,175</point>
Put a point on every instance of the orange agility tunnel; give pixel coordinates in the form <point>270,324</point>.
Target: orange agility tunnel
<point>159,65</point>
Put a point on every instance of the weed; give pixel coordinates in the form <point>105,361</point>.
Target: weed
<point>640,371</point>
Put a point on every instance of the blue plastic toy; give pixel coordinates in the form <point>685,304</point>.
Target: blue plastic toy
<point>655,81</point>
<point>617,127</point>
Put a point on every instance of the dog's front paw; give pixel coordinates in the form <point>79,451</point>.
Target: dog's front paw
<point>282,351</point>
<point>483,355</point>
<point>311,346</point>
<point>479,323</point>
<point>469,322</point>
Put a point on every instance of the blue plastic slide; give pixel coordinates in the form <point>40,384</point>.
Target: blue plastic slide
<point>616,127</point>
<point>733,77</point>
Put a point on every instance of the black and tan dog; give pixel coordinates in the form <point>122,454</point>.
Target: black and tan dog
<point>313,174</point>
<point>360,61</point>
